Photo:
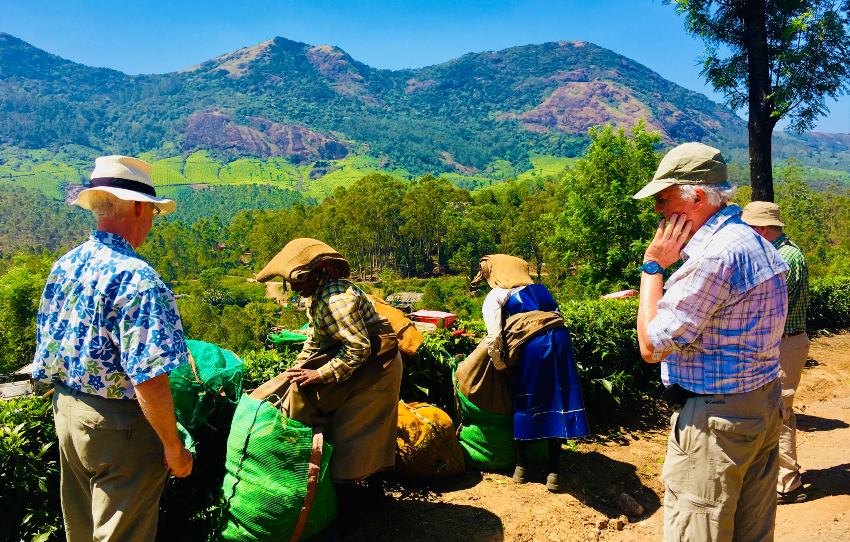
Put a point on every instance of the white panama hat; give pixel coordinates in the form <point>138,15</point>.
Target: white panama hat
<point>125,178</point>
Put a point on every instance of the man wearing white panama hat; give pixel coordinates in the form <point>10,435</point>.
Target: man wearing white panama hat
<point>108,334</point>
<point>125,178</point>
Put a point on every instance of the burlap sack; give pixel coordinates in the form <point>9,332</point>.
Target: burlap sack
<point>427,445</point>
<point>478,380</point>
<point>409,338</point>
<point>522,327</point>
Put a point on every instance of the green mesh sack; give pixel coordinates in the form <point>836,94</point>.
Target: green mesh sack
<point>287,338</point>
<point>216,377</point>
<point>487,439</point>
<point>266,479</point>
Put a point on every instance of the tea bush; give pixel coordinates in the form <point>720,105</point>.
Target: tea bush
<point>263,365</point>
<point>29,471</point>
<point>20,291</point>
<point>428,373</point>
<point>604,338</point>
<point>829,308</point>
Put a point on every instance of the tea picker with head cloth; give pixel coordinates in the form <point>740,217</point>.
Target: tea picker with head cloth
<point>526,335</point>
<point>347,377</point>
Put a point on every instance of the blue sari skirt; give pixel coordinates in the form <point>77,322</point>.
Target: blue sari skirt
<point>547,393</point>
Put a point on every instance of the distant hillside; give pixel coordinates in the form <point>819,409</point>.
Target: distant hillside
<point>308,105</point>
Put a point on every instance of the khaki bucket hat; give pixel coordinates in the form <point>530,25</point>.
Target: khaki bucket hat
<point>762,213</point>
<point>122,177</point>
<point>503,271</point>
<point>299,257</point>
<point>689,163</point>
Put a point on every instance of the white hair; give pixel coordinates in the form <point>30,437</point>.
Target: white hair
<point>108,206</point>
<point>717,194</point>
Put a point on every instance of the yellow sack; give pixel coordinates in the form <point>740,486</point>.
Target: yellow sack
<point>426,443</point>
<point>409,338</point>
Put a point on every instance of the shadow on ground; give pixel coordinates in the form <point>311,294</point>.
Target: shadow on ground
<point>408,515</point>
<point>597,481</point>
<point>651,415</point>
<point>814,423</point>
<point>827,482</point>
<point>417,490</point>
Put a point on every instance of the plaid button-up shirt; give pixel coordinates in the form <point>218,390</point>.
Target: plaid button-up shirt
<point>723,312</point>
<point>340,312</point>
<point>798,284</point>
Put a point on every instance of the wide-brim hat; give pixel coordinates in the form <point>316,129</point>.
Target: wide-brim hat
<point>125,178</point>
<point>689,163</point>
<point>503,271</point>
<point>299,257</point>
<point>762,213</point>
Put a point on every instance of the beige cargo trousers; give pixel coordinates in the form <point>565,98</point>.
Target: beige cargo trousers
<point>793,351</point>
<point>112,470</point>
<point>721,467</point>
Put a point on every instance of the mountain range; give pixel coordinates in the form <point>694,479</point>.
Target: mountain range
<point>310,104</point>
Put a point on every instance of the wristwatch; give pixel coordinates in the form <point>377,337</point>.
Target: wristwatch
<point>652,268</point>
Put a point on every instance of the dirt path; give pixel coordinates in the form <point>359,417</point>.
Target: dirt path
<point>274,290</point>
<point>491,507</point>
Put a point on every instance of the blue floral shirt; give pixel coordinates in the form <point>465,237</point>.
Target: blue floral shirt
<point>106,322</point>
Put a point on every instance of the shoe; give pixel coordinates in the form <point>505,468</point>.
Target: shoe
<point>792,497</point>
<point>520,475</point>
<point>553,482</point>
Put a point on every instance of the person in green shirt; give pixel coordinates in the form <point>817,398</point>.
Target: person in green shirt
<point>763,217</point>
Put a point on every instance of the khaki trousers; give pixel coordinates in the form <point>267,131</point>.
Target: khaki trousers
<point>721,465</point>
<point>112,471</point>
<point>793,352</point>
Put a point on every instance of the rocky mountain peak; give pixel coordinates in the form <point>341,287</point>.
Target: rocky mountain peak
<point>237,63</point>
<point>347,77</point>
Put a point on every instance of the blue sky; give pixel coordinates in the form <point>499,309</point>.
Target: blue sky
<point>155,36</point>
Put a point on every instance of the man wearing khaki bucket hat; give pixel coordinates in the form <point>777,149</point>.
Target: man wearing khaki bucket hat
<point>108,334</point>
<point>715,327</point>
<point>764,218</point>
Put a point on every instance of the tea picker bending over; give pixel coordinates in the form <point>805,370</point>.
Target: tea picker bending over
<point>346,379</point>
<point>527,336</point>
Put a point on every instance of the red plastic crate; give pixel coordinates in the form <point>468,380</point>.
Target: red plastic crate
<point>438,318</point>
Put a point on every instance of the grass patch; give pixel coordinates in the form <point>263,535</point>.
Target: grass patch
<point>545,166</point>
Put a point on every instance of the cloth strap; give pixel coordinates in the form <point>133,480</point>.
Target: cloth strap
<point>126,184</point>
<point>524,326</point>
<point>312,484</point>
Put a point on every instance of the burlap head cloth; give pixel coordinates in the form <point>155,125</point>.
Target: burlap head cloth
<point>299,257</point>
<point>503,271</point>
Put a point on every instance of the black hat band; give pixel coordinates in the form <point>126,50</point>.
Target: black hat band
<point>126,184</point>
